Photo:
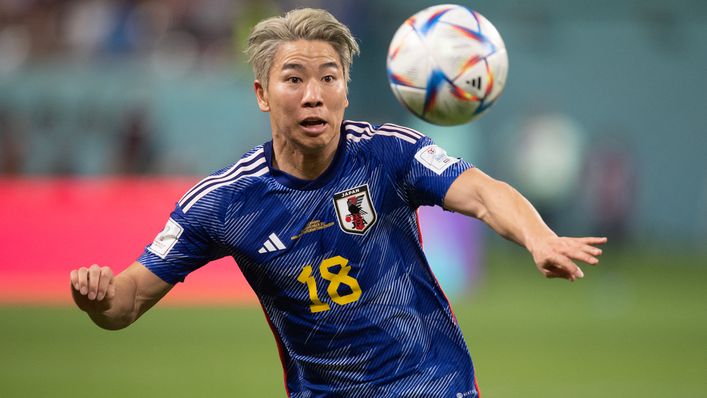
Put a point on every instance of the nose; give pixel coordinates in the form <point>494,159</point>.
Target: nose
<point>312,96</point>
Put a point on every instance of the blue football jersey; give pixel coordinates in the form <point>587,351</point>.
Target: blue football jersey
<point>336,262</point>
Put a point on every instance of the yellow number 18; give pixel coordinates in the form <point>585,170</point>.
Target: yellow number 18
<point>335,280</point>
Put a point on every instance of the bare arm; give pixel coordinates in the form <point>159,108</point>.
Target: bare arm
<point>116,302</point>
<point>512,216</point>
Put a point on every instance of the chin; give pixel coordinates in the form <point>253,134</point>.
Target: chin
<point>318,142</point>
<point>313,145</point>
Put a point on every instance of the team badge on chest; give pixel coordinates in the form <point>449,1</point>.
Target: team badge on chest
<point>354,210</point>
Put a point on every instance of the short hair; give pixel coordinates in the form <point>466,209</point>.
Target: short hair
<point>298,24</point>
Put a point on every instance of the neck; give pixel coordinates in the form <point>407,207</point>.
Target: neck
<point>302,163</point>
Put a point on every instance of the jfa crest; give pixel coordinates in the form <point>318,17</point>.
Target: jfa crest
<point>354,210</point>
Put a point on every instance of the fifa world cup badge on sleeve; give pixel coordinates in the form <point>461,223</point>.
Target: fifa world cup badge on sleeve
<point>354,210</point>
<point>165,240</point>
<point>435,158</point>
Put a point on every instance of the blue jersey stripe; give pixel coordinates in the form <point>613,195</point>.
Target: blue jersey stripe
<point>220,177</point>
<point>355,314</point>
<point>405,129</point>
<point>357,131</point>
<point>242,173</point>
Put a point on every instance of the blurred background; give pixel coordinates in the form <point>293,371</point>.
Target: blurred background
<point>110,110</point>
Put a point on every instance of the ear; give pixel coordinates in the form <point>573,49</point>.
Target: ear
<point>261,95</point>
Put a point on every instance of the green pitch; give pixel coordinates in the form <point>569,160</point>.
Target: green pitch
<point>637,327</point>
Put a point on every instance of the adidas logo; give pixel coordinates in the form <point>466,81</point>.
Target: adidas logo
<point>273,244</point>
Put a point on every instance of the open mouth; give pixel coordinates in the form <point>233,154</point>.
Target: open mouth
<point>312,122</point>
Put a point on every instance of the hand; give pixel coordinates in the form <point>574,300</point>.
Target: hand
<point>93,287</point>
<point>554,255</point>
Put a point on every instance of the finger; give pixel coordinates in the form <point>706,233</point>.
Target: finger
<point>567,268</point>
<point>559,273</point>
<point>551,274</point>
<point>94,277</point>
<point>584,257</point>
<point>105,279</point>
<point>579,251</point>
<point>111,289</point>
<point>593,240</point>
<point>594,251</point>
<point>83,280</point>
<point>74,276</point>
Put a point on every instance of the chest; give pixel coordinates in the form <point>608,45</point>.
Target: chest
<point>330,244</point>
<point>284,220</point>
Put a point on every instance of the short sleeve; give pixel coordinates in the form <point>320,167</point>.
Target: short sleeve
<point>186,243</point>
<point>428,172</point>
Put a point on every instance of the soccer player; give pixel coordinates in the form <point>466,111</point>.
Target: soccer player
<point>322,222</point>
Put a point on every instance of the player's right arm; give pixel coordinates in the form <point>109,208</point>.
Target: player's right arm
<point>114,302</point>
<point>189,240</point>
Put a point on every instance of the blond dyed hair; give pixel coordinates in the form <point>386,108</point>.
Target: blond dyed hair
<point>299,24</point>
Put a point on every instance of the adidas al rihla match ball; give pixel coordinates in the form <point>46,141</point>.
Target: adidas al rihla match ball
<point>447,64</point>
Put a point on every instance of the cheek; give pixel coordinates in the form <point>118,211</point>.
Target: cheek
<point>345,96</point>
<point>340,98</point>
<point>345,103</point>
<point>284,99</point>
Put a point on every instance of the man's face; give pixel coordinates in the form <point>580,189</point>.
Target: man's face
<point>306,95</point>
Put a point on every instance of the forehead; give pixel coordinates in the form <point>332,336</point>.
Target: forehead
<point>306,53</point>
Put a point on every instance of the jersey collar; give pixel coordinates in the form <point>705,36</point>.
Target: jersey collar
<point>293,182</point>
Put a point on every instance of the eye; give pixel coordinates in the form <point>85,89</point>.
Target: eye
<point>328,78</point>
<point>294,79</point>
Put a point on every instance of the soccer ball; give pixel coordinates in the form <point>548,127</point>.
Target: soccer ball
<point>447,64</point>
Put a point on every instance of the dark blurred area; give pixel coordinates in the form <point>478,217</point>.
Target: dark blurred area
<point>601,125</point>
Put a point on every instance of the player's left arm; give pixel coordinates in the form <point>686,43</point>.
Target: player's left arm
<point>511,215</point>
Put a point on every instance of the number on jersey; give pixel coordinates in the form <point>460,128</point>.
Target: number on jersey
<point>336,279</point>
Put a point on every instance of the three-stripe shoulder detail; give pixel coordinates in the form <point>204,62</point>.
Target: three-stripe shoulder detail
<point>252,165</point>
<point>357,131</point>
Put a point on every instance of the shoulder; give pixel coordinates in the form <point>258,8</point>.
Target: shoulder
<point>384,134</point>
<point>388,143</point>
<point>227,182</point>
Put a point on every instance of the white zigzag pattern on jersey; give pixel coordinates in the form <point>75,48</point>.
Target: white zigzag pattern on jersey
<point>385,130</point>
<point>369,132</point>
<point>385,126</point>
<point>257,173</point>
<point>392,126</point>
<point>221,177</point>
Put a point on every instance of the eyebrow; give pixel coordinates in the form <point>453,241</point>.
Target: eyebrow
<point>327,65</point>
<point>300,67</point>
